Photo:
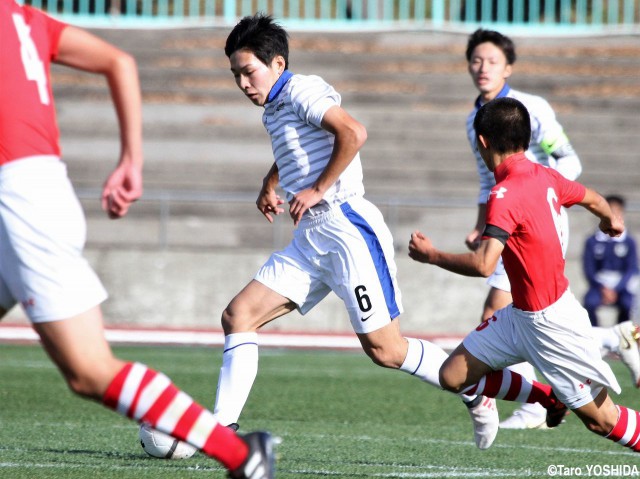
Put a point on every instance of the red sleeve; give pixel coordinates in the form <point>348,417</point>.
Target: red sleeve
<point>502,209</point>
<point>569,192</point>
<point>53,27</point>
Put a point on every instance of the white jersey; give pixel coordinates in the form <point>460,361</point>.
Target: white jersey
<point>547,140</point>
<point>301,147</point>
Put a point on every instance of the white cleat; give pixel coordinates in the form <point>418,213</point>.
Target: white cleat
<point>521,419</point>
<point>485,421</point>
<point>629,335</point>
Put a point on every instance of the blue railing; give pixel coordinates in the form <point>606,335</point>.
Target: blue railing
<point>621,15</point>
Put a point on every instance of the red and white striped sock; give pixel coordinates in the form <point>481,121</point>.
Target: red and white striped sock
<point>147,396</point>
<point>627,429</point>
<point>511,386</point>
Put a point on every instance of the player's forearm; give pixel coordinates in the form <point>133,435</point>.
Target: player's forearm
<point>596,205</point>
<point>125,92</point>
<point>345,148</point>
<point>270,181</point>
<point>465,264</point>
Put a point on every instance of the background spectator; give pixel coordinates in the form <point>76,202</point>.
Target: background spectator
<point>611,268</point>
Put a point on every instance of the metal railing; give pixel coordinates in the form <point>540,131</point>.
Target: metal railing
<point>616,15</point>
<point>164,207</point>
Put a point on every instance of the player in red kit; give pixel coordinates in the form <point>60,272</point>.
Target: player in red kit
<point>545,324</point>
<point>42,235</point>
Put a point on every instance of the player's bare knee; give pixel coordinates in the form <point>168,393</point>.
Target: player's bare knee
<point>227,320</point>
<point>450,381</point>
<point>385,358</point>
<point>236,320</point>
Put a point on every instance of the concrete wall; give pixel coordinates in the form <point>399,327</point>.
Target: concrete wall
<point>151,288</point>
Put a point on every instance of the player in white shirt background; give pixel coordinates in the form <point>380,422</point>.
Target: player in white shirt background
<point>490,57</point>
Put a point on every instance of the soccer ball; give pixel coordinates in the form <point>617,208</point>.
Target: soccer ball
<point>159,444</point>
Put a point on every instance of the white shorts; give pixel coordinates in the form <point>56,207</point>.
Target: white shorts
<point>42,235</point>
<point>347,249</point>
<point>558,341</point>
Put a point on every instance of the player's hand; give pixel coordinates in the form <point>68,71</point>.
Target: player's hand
<point>301,202</point>
<point>473,240</point>
<point>269,204</point>
<point>614,227</point>
<point>122,188</point>
<point>420,247</point>
<point>609,296</point>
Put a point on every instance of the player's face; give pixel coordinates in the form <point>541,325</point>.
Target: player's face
<point>253,77</point>
<point>489,70</point>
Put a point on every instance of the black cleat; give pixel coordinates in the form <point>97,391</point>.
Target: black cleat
<point>234,426</point>
<point>260,463</point>
<point>556,413</point>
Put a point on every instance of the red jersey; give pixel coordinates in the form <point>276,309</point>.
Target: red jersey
<point>525,203</point>
<point>29,42</point>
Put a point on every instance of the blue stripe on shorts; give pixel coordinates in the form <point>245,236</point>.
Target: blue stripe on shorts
<point>377,255</point>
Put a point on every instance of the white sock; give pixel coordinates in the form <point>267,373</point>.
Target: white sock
<point>424,360</point>
<point>527,371</point>
<point>237,374</point>
<point>608,338</point>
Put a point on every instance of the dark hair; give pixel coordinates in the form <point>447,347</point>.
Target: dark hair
<point>616,199</point>
<point>260,35</point>
<point>501,41</point>
<point>505,123</point>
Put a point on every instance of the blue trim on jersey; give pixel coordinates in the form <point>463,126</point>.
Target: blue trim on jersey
<point>279,85</point>
<point>504,92</point>
<point>377,255</point>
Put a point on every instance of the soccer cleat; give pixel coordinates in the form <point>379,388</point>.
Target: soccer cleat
<point>234,426</point>
<point>556,413</point>
<point>484,414</point>
<point>629,335</point>
<point>260,463</point>
<point>521,420</point>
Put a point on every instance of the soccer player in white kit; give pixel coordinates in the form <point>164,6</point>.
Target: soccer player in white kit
<point>545,325</point>
<point>341,242</point>
<point>490,57</point>
<point>42,235</point>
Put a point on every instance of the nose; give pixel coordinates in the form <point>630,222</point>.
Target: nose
<point>242,82</point>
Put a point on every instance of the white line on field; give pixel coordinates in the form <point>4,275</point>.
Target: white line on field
<point>216,338</point>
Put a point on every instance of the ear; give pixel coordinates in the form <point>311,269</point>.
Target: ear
<point>507,71</point>
<point>278,64</point>
<point>484,142</point>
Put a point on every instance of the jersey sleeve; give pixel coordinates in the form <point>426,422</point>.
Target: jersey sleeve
<point>53,28</point>
<point>312,97</point>
<point>569,192</point>
<point>550,135</point>
<point>502,210</point>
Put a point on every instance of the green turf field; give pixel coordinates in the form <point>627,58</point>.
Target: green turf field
<point>338,416</point>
